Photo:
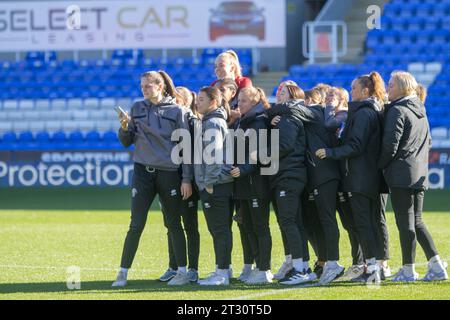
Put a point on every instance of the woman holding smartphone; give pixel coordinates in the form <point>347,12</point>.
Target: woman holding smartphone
<point>149,127</point>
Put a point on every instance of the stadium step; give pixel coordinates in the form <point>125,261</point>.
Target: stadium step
<point>356,21</point>
<point>268,80</point>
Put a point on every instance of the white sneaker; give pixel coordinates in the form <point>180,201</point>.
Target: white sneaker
<point>283,271</point>
<point>245,275</point>
<point>180,279</point>
<point>260,277</point>
<point>215,280</point>
<point>331,273</point>
<point>439,275</point>
<point>353,272</point>
<point>121,280</point>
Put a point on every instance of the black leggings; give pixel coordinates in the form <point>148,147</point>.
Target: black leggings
<point>145,186</point>
<point>255,218</point>
<point>408,205</point>
<point>190,223</point>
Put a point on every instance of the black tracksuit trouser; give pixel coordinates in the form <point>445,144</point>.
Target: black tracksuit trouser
<point>147,183</point>
<point>190,223</point>
<point>345,212</point>
<point>218,214</point>
<point>408,206</point>
<point>364,210</point>
<point>255,218</point>
<point>325,199</point>
<point>381,229</point>
<point>288,208</point>
<point>313,227</point>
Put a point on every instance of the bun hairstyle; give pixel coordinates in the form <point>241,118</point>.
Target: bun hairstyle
<point>375,84</point>
<point>258,96</point>
<point>214,94</point>
<point>232,55</point>
<point>161,77</point>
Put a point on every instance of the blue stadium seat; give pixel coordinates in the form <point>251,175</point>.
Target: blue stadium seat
<point>9,137</point>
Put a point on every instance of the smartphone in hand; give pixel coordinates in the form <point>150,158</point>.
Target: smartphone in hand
<point>120,111</point>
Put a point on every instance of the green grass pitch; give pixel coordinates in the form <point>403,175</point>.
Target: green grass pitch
<point>44,232</point>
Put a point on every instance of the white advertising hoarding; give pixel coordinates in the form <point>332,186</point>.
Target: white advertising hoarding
<point>84,25</point>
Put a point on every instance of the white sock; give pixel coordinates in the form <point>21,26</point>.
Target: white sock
<point>332,264</point>
<point>182,269</point>
<point>124,270</point>
<point>223,272</point>
<point>436,264</point>
<point>289,258</point>
<point>298,264</point>
<point>409,269</point>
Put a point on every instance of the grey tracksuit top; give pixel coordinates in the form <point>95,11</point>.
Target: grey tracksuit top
<point>150,130</point>
<point>208,175</point>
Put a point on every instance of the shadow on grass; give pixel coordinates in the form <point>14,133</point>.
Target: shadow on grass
<point>111,199</point>
<point>137,286</point>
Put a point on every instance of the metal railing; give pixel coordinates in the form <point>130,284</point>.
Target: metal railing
<point>333,31</point>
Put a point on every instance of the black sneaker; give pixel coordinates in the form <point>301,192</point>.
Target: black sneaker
<point>318,270</point>
<point>373,277</point>
<point>297,278</point>
<point>288,275</point>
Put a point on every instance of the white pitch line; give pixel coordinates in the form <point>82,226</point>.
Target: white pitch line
<point>65,268</point>
<point>268,293</point>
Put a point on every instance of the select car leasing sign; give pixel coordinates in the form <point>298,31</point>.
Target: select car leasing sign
<point>83,25</point>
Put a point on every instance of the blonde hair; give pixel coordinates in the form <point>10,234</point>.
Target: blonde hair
<point>257,94</point>
<point>313,96</point>
<point>234,59</point>
<point>344,95</point>
<point>405,81</point>
<point>421,92</point>
<point>190,99</point>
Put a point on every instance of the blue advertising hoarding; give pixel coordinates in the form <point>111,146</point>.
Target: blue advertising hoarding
<point>115,168</point>
<point>65,168</point>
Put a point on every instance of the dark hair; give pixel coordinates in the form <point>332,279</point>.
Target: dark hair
<point>227,83</point>
<point>375,84</point>
<point>161,77</point>
<point>295,92</point>
<point>214,94</point>
<point>313,95</point>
